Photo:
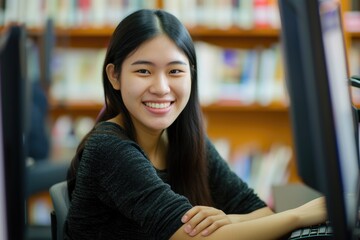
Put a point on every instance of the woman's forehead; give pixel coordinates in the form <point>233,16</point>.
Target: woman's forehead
<point>158,49</point>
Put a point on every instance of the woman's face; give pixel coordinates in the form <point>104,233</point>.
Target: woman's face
<point>155,83</point>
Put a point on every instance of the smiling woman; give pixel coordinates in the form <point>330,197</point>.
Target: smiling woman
<point>147,169</point>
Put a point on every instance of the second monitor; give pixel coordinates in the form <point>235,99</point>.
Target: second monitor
<point>321,108</point>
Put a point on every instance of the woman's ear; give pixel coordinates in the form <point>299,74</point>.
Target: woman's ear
<point>112,76</point>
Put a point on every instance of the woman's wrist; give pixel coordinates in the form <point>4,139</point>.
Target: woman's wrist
<point>236,218</point>
<point>293,217</point>
<point>263,212</point>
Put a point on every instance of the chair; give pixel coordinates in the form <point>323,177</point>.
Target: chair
<point>60,199</point>
<point>40,176</point>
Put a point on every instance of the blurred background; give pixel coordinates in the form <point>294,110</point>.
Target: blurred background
<point>241,82</point>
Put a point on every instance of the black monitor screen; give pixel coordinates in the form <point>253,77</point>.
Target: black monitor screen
<point>12,160</point>
<point>320,106</point>
<point>340,98</point>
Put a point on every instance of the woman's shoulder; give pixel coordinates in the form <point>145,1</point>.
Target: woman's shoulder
<point>109,141</point>
<point>109,129</point>
<point>108,135</point>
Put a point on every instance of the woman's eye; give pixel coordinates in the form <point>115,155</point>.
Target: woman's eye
<point>175,71</point>
<point>143,71</point>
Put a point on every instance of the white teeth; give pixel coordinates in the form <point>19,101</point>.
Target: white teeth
<point>157,105</point>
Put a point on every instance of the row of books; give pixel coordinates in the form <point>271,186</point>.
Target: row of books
<point>71,13</point>
<point>244,76</point>
<point>79,13</point>
<point>245,14</point>
<point>77,74</point>
<point>260,169</point>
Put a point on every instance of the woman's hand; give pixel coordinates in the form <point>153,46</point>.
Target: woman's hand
<point>204,219</point>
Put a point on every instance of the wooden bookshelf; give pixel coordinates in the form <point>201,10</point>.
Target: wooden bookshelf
<point>236,37</point>
<point>99,37</point>
<point>354,36</point>
<point>74,109</point>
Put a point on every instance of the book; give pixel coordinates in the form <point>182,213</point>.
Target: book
<point>280,92</point>
<point>208,77</point>
<point>248,79</point>
<point>266,78</point>
<point>230,71</point>
<point>261,11</point>
<point>245,17</point>
<point>242,76</point>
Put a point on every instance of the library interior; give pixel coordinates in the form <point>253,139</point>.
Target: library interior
<point>242,86</point>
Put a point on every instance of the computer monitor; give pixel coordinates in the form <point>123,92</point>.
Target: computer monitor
<point>12,160</point>
<point>320,106</point>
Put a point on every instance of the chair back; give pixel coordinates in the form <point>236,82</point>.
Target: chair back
<point>61,202</point>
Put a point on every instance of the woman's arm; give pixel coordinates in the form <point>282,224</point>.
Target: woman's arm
<point>268,227</point>
<point>206,220</point>
<point>262,212</point>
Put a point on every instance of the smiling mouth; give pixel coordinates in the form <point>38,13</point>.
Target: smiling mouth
<point>158,105</point>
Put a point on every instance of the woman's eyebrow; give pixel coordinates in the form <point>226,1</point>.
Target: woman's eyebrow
<point>144,62</point>
<point>177,62</point>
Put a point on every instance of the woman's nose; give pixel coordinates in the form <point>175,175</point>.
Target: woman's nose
<point>160,85</point>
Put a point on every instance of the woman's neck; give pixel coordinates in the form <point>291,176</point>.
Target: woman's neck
<point>154,144</point>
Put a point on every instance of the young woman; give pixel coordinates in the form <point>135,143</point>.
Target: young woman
<point>147,170</point>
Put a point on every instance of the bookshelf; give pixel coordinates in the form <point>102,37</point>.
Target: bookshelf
<point>97,37</point>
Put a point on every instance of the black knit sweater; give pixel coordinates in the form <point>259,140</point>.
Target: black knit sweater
<point>120,195</point>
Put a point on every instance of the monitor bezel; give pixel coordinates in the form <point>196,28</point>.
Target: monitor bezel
<point>314,134</point>
<point>12,80</point>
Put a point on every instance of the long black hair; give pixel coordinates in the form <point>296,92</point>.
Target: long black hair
<point>186,156</point>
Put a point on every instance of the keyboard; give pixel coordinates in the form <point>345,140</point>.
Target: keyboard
<point>322,232</point>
